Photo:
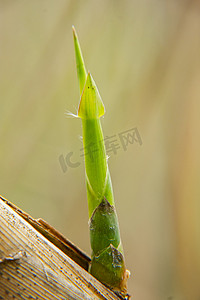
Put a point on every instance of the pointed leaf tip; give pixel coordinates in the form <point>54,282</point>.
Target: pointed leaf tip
<point>81,70</point>
<point>74,32</point>
<point>91,105</point>
<point>73,28</point>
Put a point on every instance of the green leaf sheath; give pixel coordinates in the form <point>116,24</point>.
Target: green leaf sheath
<point>104,227</point>
<point>107,263</point>
<point>96,170</point>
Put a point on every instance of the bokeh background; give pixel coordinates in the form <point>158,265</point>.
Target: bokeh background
<point>145,58</point>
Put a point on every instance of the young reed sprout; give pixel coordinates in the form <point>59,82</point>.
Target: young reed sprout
<point>107,259</point>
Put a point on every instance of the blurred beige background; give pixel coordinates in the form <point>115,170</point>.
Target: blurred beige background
<point>145,58</point>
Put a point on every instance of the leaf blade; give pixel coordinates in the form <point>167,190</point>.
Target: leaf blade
<point>81,70</point>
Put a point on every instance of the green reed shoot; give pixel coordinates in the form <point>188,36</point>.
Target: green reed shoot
<point>107,261</point>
